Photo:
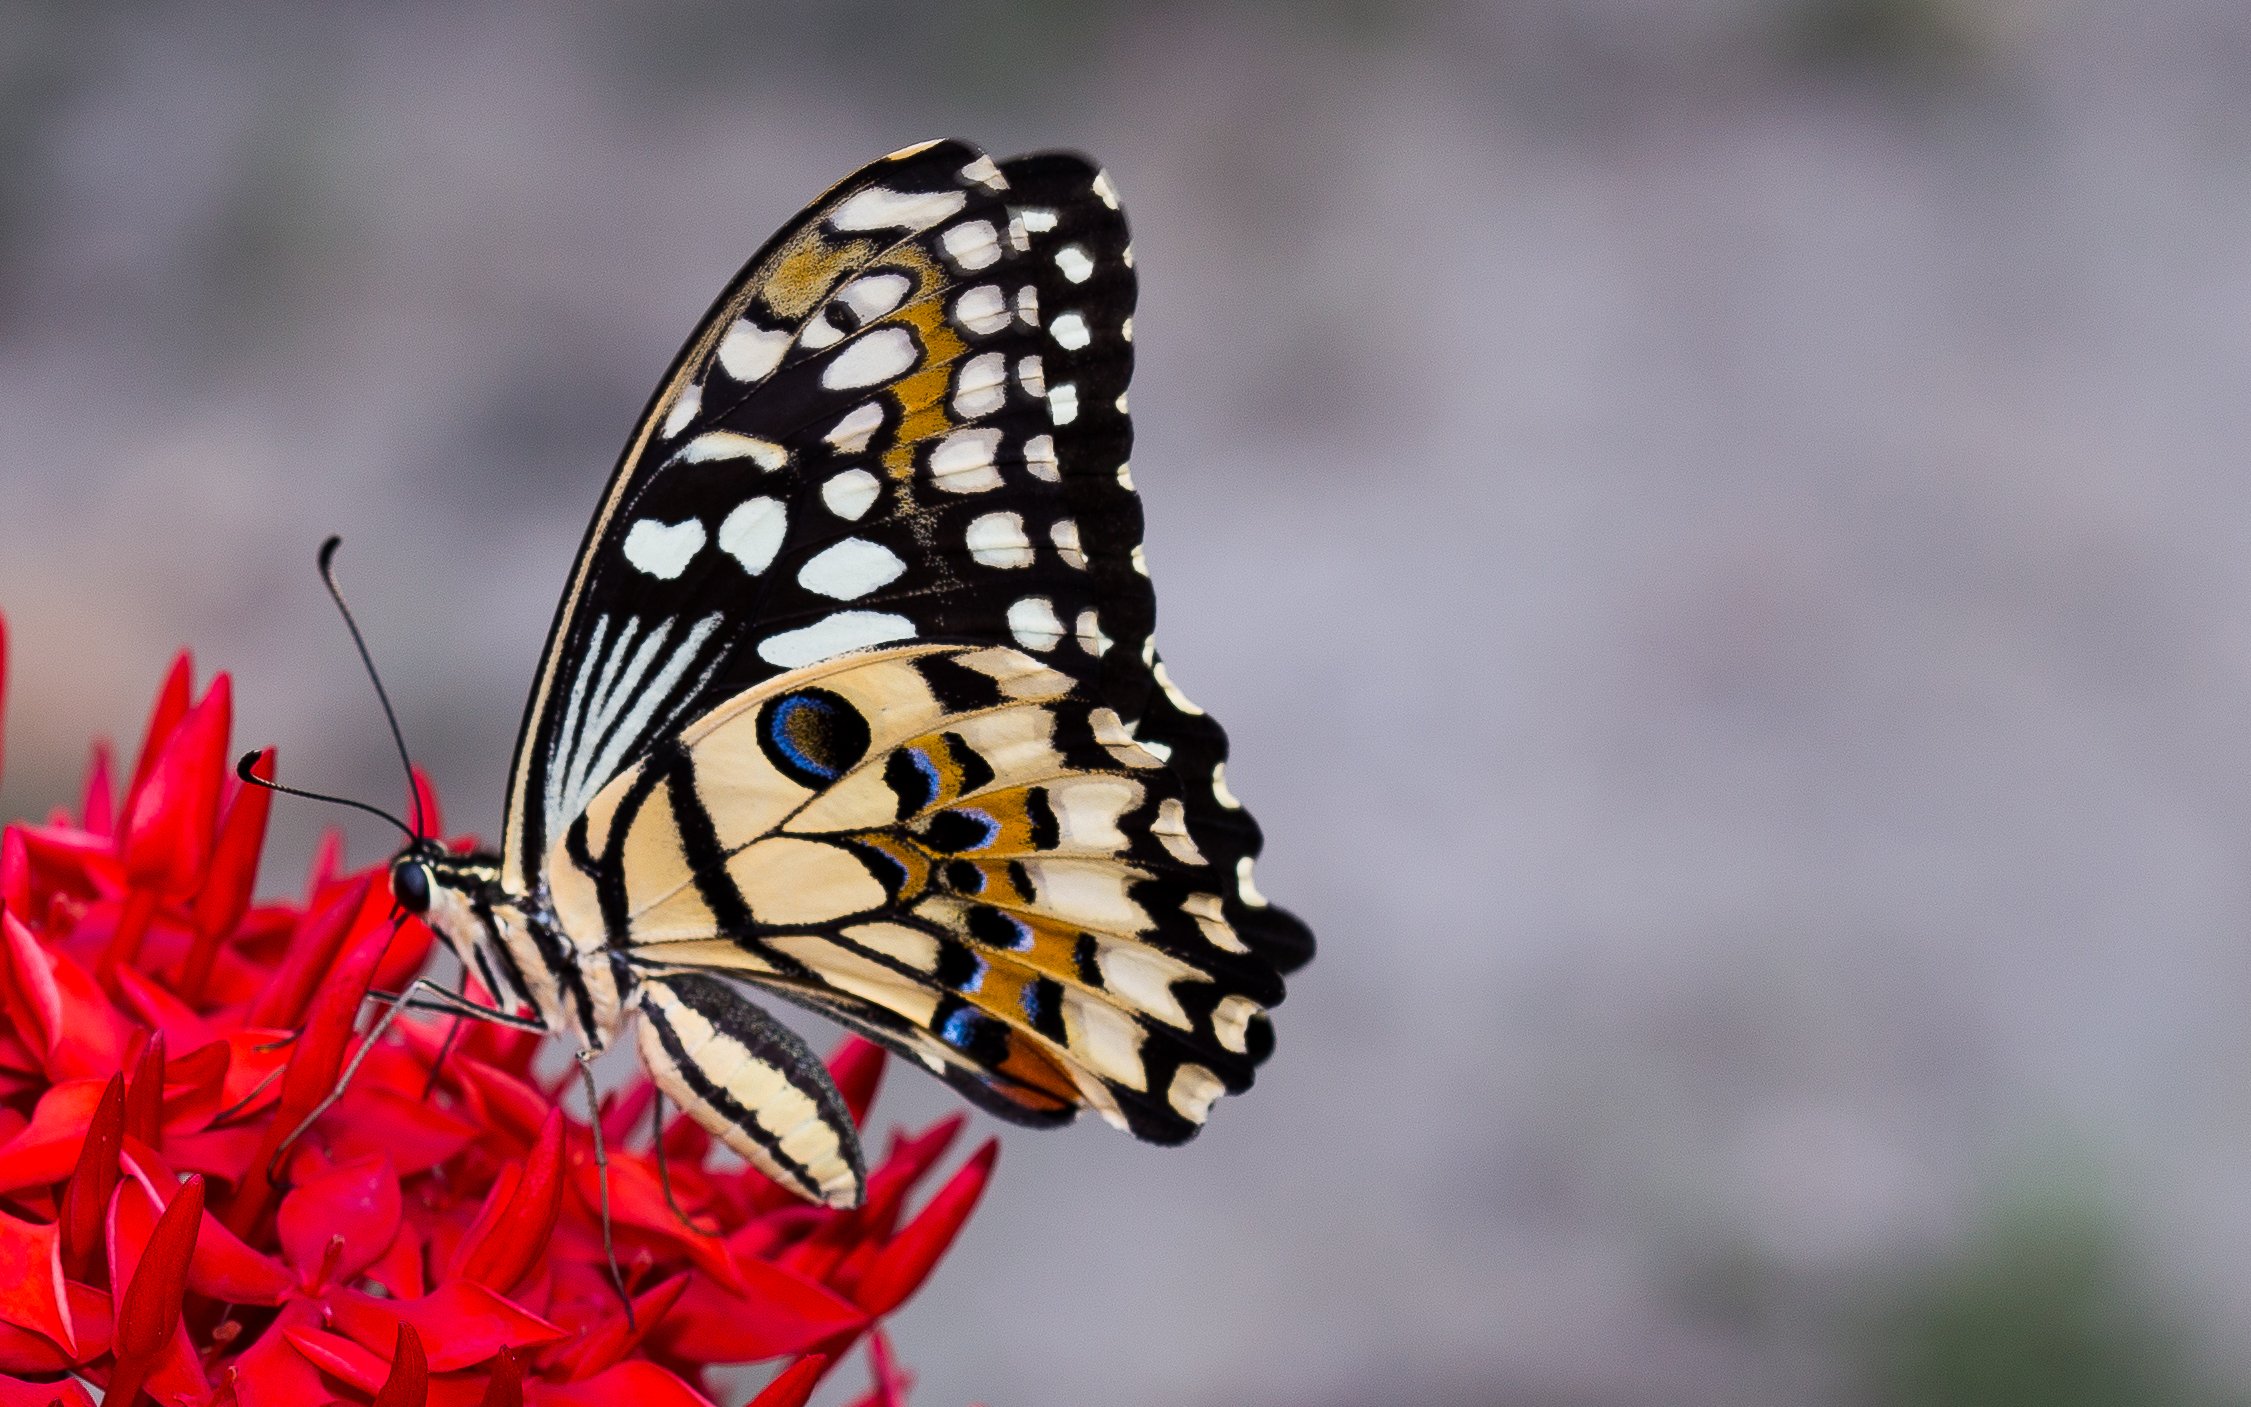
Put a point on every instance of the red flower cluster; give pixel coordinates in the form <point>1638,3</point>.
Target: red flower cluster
<point>435,1237</point>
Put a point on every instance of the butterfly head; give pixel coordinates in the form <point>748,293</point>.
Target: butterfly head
<point>451,892</point>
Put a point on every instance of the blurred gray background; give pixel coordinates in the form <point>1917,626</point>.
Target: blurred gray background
<point>1719,527</point>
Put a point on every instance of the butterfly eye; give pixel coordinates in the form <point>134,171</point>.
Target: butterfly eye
<point>410,885</point>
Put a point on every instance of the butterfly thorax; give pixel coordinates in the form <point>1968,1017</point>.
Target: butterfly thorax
<point>511,943</point>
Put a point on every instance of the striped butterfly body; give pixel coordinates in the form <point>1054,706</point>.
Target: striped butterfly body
<point>852,698</point>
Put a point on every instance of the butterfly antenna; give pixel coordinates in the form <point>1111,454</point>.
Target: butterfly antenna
<point>390,716</point>
<point>250,760</point>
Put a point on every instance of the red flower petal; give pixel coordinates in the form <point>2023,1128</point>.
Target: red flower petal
<point>338,1357</point>
<point>150,1309</point>
<point>171,707</point>
<point>173,814</point>
<point>637,1200</point>
<point>31,1280</point>
<point>613,1338</point>
<point>46,1150</point>
<point>639,1383</point>
<point>409,1382</point>
<point>320,937</point>
<point>497,1096</point>
<point>225,895</point>
<point>314,1063</point>
<point>354,1208</point>
<point>509,1236</point>
<point>778,1313</point>
<point>422,806</point>
<point>462,1324</point>
<point>274,1371</point>
<point>144,1093</point>
<point>793,1386</point>
<point>506,1389</point>
<point>85,1203</point>
<point>908,1259</point>
<point>97,804</point>
<point>857,1068</point>
<point>399,1269</point>
<point>155,1007</point>
<point>226,1268</point>
<point>92,1037</point>
<point>15,1393</point>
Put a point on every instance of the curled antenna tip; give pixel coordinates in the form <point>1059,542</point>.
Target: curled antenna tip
<point>328,551</point>
<point>247,761</point>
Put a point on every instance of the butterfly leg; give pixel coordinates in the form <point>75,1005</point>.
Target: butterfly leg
<point>664,1166</point>
<point>602,1172</point>
<point>753,1084</point>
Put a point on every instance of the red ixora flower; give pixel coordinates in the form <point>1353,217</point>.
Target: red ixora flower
<point>435,1236</point>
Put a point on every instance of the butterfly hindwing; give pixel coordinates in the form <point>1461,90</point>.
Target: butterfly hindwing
<point>955,849</point>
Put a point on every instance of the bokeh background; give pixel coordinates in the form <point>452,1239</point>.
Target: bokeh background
<point>1720,528</point>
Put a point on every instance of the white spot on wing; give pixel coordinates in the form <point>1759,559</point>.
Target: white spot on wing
<point>1064,533</point>
<point>981,386</point>
<point>984,173</point>
<point>1070,332</point>
<point>1219,790</point>
<point>849,494</point>
<point>684,408</point>
<point>834,635</point>
<point>1091,638</point>
<point>879,208</point>
<point>1033,373</point>
<point>1193,1090</point>
<point>963,461</point>
<point>1107,192</point>
<point>1077,265</point>
<point>1039,457</point>
<point>972,244</point>
<point>983,309</point>
<point>1063,403</point>
<point>1244,886</point>
<point>1144,978</point>
<point>1028,305</point>
<point>1033,622</point>
<point>726,444</point>
<point>874,295</point>
<point>1172,691</point>
<point>997,540</point>
<point>1039,219</point>
<point>663,550</point>
<point>749,352</point>
<point>851,434</point>
<point>851,569</point>
<point>1230,1022</point>
<point>1171,830</point>
<point>752,534</point>
<point>875,356</point>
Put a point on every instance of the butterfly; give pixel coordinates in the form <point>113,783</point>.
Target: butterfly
<point>852,699</point>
